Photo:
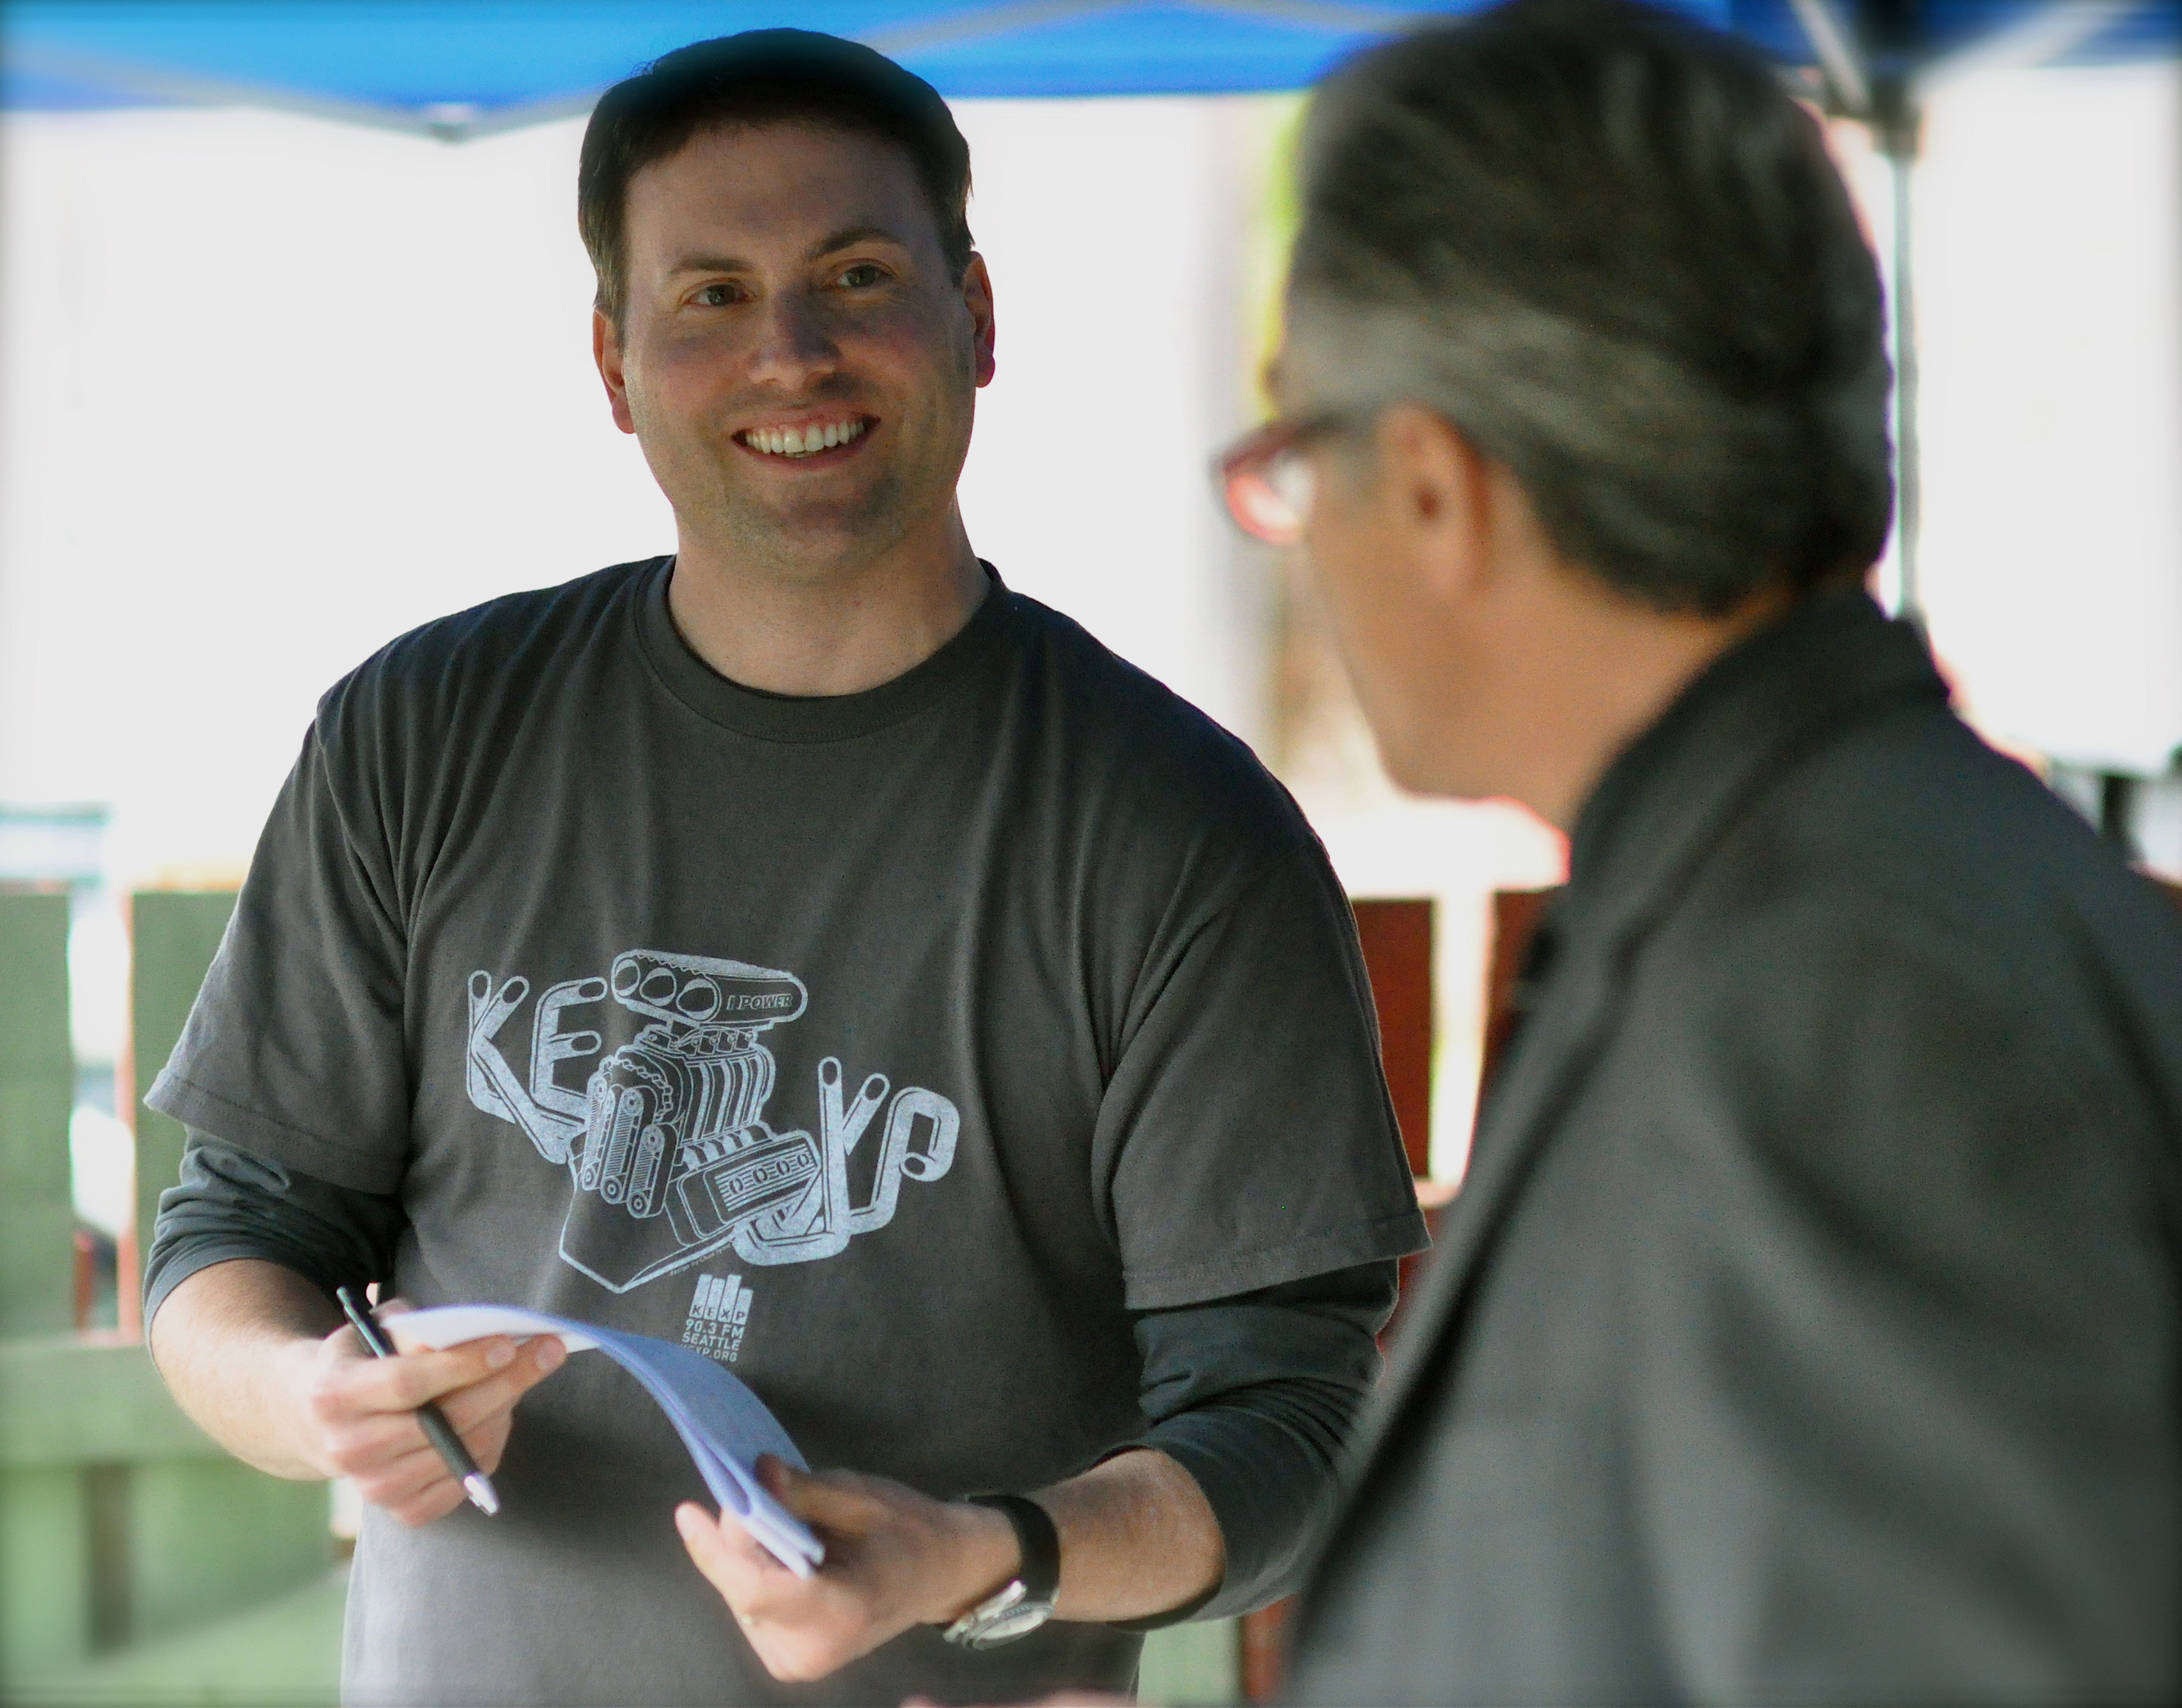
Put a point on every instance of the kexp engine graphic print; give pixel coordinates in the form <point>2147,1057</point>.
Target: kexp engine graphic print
<point>670,1128</point>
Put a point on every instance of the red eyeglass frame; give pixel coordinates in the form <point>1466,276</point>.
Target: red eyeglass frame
<point>1244,475</point>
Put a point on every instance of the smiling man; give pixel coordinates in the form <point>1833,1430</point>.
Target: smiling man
<point>806,949</point>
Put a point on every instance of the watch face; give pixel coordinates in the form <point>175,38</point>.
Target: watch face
<point>1018,1620</point>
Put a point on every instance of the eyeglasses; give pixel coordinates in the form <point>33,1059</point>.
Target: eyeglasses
<point>1267,483</point>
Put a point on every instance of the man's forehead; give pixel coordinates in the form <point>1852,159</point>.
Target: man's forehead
<point>790,181</point>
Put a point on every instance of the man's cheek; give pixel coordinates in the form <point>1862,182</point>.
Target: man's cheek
<point>906,347</point>
<point>1345,562</point>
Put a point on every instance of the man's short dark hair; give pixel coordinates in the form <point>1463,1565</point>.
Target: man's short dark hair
<point>1610,248</point>
<point>762,77</point>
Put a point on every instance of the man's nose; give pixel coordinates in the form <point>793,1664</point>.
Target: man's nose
<point>794,346</point>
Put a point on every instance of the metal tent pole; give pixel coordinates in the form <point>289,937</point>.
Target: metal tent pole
<point>1887,91</point>
<point>1897,121</point>
<point>1881,98</point>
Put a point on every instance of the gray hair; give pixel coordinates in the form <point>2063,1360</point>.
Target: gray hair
<point>1608,247</point>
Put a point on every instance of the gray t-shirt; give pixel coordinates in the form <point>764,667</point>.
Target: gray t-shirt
<point>892,1049</point>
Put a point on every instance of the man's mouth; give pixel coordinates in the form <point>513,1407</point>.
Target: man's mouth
<point>806,438</point>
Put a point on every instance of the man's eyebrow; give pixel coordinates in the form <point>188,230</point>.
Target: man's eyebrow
<point>847,237</point>
<point>710,263</point>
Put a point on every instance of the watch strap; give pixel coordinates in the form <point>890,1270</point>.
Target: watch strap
<point>1037,1540</point>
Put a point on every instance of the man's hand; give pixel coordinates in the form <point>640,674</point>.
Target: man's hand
<point>894,1558</point>
<point>359,1413</point>
<point>261,1360</point>
<point>1137,1537</point>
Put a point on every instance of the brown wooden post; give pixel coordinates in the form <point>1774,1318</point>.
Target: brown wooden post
<point>1396,938</point>
<point>1515,916</point>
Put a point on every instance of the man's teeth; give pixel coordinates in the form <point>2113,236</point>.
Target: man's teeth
<point>802,441</point>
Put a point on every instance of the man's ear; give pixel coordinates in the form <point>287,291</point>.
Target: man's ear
<point>977,298</point>
<point>606,351</point>
<point>1438,490</point>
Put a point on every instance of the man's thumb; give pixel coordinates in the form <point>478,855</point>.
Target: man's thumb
<point>814,1498</point>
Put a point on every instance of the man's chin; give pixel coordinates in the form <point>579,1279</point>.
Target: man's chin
<point>810,541</point>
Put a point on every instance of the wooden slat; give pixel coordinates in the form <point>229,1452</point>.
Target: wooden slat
<point>91,1400</point>
<point>37,1089</point>
<point>1397,937</point>
<point>1516,915</point>
<point>173,936</point>
<point>1264,1638</point>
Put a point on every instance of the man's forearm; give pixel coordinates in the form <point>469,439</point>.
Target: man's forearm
<point>1137,1538</point>
<point>263,1361</point>
<point>1255,1394</point>
<point>236,1343</point>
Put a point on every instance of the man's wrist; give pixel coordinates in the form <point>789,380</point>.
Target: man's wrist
<point>304,1368</point>
<point>986,1556</point>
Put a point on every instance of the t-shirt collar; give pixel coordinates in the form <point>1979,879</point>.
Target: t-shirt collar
<point>813,717</point>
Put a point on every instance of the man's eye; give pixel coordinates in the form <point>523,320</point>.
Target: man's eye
<point>862,275</point>
<point>716,296</point>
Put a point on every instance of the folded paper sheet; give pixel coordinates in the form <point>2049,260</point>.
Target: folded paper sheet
<point>723,1424</point>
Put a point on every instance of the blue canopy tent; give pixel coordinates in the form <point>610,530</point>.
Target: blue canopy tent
<point>457,69</point>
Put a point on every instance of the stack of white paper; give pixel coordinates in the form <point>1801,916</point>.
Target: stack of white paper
<point>723,1424</point>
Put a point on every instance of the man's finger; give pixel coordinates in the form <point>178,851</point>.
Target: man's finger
<point>467,1408</point>
<point>358,1448</point>
<point>367,1429</point>
<point>401,1478</point>
<point>473,1408</point>
<point>829,1501</point>
<point>699,1535</point>
<point>717,1552</point>
<point>390,1458</point>
<point>347,1395</point>
<point>433,1504</point>
<point>404,1382</point>
<point>373,1440</point>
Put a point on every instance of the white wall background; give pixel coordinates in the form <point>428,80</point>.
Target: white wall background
<point>1117,232</point>
<point>273,390</point>
<point>2048,233</point>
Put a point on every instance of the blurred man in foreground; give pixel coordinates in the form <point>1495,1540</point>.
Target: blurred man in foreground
<point>1806,1329</point>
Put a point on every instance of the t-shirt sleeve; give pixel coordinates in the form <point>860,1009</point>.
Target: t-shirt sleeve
<point>230,1204</point>
<point>1246,1135</point>
<point>294,1047</point>
<point>1256,1398</point>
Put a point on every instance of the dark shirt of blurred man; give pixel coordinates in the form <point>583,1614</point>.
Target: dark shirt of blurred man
<point>1806,1329</point>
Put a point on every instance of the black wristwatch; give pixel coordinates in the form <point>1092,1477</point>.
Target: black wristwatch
<point>1025,1602</point>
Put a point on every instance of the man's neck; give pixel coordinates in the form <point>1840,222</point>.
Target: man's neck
<point>1610,674</point>
<point>834,634</point>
